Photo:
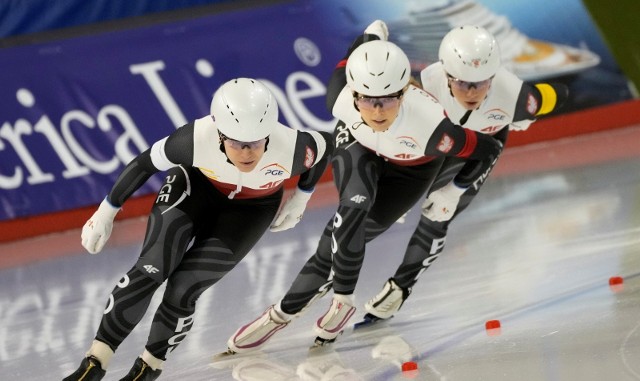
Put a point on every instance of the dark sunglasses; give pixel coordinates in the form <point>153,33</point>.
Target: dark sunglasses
<point>236,144</point>
<point>466,86</point>
<point>370,103</point>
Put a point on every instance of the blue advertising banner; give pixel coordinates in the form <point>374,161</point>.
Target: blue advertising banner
<point>19,17</point>
<point>75,111</point>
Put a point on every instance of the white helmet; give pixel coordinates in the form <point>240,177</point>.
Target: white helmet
<point>378,68</point>
<point>244,109</point>
<point>470,53</point>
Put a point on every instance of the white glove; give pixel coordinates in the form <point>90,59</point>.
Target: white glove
<point>441,204</point>
<point>291,212</point>
<point>379,28</point>
<point>97,229</point>
<point>521,125</point>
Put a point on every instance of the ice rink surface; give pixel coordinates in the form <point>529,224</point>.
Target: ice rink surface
<point>536,250</point>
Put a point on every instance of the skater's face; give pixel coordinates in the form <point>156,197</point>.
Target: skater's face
<point>244,155</point>
<point>469,94</point>
<point>379,112</point>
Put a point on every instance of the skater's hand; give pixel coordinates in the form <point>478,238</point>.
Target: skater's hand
<point>97,229</point>
<point>292,211</point>
<point>379,28</point>
<point>441,205</point>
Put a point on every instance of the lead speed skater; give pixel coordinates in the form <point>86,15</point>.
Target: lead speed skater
<point>219,196</point>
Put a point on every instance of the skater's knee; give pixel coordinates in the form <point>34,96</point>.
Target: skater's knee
<point>180,296</point>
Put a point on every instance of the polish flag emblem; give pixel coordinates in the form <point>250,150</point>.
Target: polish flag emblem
<point>445,144</point>
<point>532,104</point>
<point>309,158</point>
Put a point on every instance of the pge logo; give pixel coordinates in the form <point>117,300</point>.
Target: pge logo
<point>495,116</point>
<point>407,143</point>
<point>274,172</point>
<point>343,136</point>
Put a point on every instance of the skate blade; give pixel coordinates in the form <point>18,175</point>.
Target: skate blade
<point>319,342</point>
<point>369,321</point>
<point>229,357</point>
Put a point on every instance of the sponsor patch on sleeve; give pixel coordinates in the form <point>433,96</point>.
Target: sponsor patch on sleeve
<point>309,157</point>
<point>445,144</point>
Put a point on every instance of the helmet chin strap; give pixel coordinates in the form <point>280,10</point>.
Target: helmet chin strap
<point>224,151</point>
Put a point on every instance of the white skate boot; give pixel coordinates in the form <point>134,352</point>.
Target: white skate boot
<point>331,324</point>
<point>387,302</point>
<point>252,336</point>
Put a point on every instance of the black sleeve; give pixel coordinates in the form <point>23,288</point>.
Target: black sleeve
<point>548,98</point>
<point>134,175</point>
<point>476,171</point>
<point>305,151</point>
<point>178,149</point>
<point>179,145</point>
<point>449,139</point>
<point>338,77</point>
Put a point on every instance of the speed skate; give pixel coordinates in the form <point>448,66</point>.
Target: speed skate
<point>230,354</point>
<point>369,320</point>
<point>319,342</point>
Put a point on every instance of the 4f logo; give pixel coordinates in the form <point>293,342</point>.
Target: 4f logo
<point>150,269</point>
<point>271,184</point>
<point>358,199</point>
<point>491,129</point>
<point>404,156</point>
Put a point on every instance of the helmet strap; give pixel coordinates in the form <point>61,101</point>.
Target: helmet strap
<point>224,151</point>
<point>355,95</point>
